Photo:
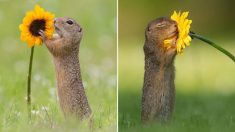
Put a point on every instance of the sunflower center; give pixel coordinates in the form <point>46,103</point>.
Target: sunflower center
<point>36,25</point>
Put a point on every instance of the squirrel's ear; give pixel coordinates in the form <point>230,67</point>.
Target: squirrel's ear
<point>148,29</point>
<point>80,29</point>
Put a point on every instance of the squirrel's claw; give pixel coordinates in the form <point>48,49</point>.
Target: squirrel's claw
<point>42,34</point>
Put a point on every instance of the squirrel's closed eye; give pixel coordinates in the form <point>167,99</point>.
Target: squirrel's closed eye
<point>70,22</point>
<point>161,24</point>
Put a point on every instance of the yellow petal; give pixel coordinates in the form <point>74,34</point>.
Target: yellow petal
<point>183,25</point>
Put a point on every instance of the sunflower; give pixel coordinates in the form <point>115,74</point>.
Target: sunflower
<point>36,20</point>
<point>183,38</point>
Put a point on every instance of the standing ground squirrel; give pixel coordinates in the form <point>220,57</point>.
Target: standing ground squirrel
<point>159,88</point>
<point>65,49</point>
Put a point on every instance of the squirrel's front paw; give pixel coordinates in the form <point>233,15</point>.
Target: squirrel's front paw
<point>42,34</point>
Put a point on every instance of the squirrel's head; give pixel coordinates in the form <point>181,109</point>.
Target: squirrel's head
<point>156,32</point>
<point>69,29</point>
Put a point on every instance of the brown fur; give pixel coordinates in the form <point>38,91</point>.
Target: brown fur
<point>64,49</point>
<point>158,89</point>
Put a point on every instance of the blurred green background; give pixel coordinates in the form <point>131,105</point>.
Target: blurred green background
<point>205,78</point>
<point>97,58</point>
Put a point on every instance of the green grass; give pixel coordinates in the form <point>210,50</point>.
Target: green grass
<point>193,112</point>
<point>205,89</point>
<point>97,59</point>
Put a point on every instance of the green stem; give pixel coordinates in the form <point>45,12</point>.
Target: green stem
<point>29,83</point>
<point>231,56</point>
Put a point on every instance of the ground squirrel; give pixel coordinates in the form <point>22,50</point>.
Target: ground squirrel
<point>159,88</point>
<point>64,49</point>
